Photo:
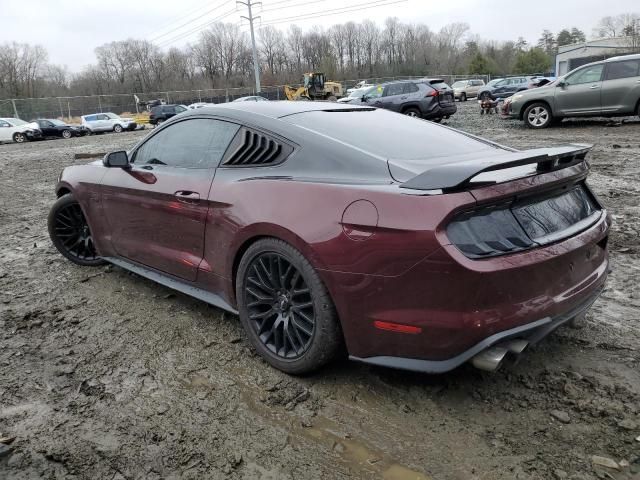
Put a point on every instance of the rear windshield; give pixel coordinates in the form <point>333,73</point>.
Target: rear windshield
<point>389,135</point>
<point>440,85</point>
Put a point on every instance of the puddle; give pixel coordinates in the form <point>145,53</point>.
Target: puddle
<point>355,454</point>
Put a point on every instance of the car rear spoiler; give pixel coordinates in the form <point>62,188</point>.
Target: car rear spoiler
<point>457,175</point>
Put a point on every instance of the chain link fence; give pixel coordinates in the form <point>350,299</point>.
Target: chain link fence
<point>71,108</point>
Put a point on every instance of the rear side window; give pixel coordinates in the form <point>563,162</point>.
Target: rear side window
<point>4,124</point>
<point>91,118</point>
<point>156,110</point>
<point>394,89</point>
<point>625,69</point>
<point>196,143</point>
<point>169,109</point>
<point>410,88</point>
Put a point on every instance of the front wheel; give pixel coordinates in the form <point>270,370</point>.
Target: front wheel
<point>70,233</point>
<point>285,308</point>
<point>66,133</point>
<point>19,137</point>
<point>463,97</point>
<point>117,128</point>
<point>538,115</point>
<point>332,98</point>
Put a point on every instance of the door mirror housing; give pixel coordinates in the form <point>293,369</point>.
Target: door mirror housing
<point>364,99</point>
<point>118,159</point>
<point>562,84</point>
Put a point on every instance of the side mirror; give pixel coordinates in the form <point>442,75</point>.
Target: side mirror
<point>118,159</point>
<point>562,84</point>
<point>364,99</point>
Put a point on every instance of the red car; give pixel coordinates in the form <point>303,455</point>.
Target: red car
<point>414,245</point>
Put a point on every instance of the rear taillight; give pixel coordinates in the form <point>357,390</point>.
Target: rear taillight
<point>488,232</point>
<point>432,93</point>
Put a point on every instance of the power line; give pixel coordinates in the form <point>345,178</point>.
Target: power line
<point>190,21</point>
<point>171,22</point>
<point>269,9</point>
<point>200,27</point>
<point>337,11</point>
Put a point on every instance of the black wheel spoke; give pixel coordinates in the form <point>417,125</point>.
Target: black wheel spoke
<point>284,325</point>
<point>72,230</point>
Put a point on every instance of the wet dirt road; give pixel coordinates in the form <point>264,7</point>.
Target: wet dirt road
<point>104,375</point>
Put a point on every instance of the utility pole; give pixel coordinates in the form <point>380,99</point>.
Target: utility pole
<point>251,18</point>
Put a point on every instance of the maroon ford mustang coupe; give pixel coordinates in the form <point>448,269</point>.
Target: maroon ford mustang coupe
<point>414,245</point>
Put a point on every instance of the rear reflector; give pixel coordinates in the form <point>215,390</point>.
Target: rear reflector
<point>397,327</point>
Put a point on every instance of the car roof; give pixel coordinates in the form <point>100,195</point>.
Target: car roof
<point>277,109</point>
<point>635,56</point>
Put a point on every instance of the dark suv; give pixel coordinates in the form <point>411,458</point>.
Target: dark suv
<point>160,113</point>
<point>429,98</point>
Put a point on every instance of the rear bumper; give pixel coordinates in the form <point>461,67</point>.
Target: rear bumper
<point>439,111</point>
<point>459,304</point>
<point>533,332</point>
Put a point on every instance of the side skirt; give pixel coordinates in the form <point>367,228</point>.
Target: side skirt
<point>173,283</point>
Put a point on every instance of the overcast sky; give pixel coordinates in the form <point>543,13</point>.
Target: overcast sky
<point>71,29</point>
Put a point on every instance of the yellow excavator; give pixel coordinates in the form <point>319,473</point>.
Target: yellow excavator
<point>316,87</point>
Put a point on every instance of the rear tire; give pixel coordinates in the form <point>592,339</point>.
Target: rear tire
<point>285,309</point>
<point>70,233</point>
<point>412,112</point>
<point>117,128</point>
<point>538,115</point>
<point>19,137</point>
<point>332,98</point>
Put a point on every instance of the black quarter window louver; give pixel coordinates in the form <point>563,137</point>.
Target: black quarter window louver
<point>251,148</point>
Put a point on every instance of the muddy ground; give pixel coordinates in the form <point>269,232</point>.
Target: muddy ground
<point>105,375</point>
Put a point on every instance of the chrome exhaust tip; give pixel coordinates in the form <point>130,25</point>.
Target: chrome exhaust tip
<point>516,346</point>
<point>489,359</point>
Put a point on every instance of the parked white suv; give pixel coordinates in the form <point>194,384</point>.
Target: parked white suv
<point>19,131</point>
<point>107,122</point>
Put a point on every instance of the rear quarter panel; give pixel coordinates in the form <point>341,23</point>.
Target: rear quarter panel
<point>309,216</point>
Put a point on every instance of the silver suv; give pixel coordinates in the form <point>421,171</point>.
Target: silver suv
<point>463,89</point>
<point>602,89</point>
<point>107,122</point>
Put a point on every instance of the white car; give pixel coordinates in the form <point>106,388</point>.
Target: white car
<point>196,105</point>
<point>361,84</point>
<point>355,95</point>
<point>18,131</point>
<point>107,122</point>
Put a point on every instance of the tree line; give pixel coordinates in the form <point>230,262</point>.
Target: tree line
<point>221,57</point>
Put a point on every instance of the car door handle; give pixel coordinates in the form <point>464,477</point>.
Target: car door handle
<point>403,98</point>
<point>593,87</point>
<point>187,197</point>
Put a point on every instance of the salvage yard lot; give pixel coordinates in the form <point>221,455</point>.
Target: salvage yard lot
<point>107,375</point>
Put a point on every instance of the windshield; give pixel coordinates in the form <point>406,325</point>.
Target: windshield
<point>16,122</point>
<point>459,84</point>
<point>112,116</point>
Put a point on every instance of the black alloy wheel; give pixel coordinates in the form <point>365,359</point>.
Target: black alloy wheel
<point>285,308</point>
<point>280,305</point>
<point>70,232</point>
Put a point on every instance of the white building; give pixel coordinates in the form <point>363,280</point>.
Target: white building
<point>578,54</point>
